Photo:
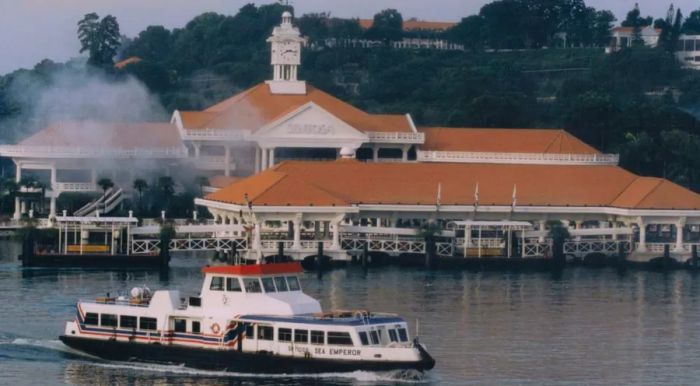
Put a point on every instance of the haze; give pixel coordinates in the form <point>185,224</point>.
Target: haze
<point>31,30</point>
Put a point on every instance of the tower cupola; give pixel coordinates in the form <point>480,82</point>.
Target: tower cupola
<point>286,42</point>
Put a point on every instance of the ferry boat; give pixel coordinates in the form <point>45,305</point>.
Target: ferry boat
<point>248,318</point>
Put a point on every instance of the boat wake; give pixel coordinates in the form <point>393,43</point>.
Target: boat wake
<point>404,376</point>
<point>46,344</point>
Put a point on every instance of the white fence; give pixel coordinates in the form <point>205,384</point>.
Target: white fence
<point>582,248</point>
<point>143,246</point>
<point>521,158</point>
<point>395,137</point>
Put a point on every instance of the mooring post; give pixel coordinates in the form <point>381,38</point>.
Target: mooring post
<point>319,260</point>
<point>365,256</point>
<point>694,256</point>
<point>667,251</point>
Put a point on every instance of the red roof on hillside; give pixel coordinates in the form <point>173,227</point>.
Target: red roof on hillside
<point>413,24</point>
<point>256,107</point>
<point>318,184</point>
<point>541,141</point>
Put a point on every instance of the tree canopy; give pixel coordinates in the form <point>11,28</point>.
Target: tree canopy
<point>100,38</point>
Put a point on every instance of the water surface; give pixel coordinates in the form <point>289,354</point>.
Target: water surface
<point>578,327</point>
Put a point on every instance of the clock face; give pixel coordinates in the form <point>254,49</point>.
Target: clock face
<point>288,53</point>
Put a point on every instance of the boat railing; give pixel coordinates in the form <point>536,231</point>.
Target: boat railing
<point>117,301</point>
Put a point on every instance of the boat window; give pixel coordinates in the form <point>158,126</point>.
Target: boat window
<point>284,334</point>
<point>268,284</point>
<point>339,338</point>
<point>196,327</point>
<point>363,338</point>
<point>403,334</point>
<point>249,331</point>
<point>147,323</point>
<point>374,336</point>
<point>293,283</point>
<point>217,283</point>
<point>91,319</point>
<point>318,337</point>
<point>301,336</point>
<point>126,321</point>
<point>265,333</point>
<point>108,320</point>
<point>252,285</point>
<point>392,335</point>
<point>233,284</point>
<point>281,284</point>
<point>180,325</point>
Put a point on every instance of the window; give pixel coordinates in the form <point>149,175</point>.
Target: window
<point>265,333</point>
<point>217,283</point>
<point>403,334</point>
<point>281,284</point>
<point>363,338</point>
<point>318,337</point>
<point>148,323</point>
<point>91,319</point>
<point>233,284</point>
<point>284,334</point>
<point>108,320</point>
<point>127,321</point>
<point>293,283</point>
<point>301,336</point>
<point>196,327</point>
<point>392,335</point>
<point>180,325</point>
<point>252,285</point>
<point>374,336</point>
<point>268,284</point>
<point>249,331</point>
<point>339,338</point>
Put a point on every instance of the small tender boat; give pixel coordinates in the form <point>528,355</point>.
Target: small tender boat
<point>248,318</point>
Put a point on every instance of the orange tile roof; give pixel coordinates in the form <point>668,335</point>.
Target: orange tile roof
<point>111,135</point>
<point>221,181</point>
<point>413,24</point>
<point>503,141</point>
<point>256,107</point>
<point>317,183</point>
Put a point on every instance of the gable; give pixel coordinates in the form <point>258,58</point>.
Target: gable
<point>310,126</point>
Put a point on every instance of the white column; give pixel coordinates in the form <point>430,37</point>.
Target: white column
<point>375,154</point>
<point>543,228</point>
<point>679,236</point>
<point>263,164</point>
<point>614,229</point>
<point>257,159</point>
<point>297,234</point>
<point>335,227</point>
<point>18,177</point>
<point>54,192</point>
<point>227,160</point>
<point>404,153</point>
<point>272,157</point>
<point>93,177</point>
<point>642,246</point>
<point>197,147</point>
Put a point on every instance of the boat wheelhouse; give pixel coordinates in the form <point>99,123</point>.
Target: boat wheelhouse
<point>246,318</point>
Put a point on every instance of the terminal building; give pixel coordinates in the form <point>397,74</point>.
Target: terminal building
<point>294,166</point>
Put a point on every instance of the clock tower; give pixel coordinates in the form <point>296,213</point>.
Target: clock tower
<point>286,42</point>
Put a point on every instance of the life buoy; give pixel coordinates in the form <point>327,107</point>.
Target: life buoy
<point>215,328</point>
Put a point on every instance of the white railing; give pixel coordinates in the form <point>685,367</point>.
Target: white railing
<point>216,134</point>
<point>492,242</point>
<point>96,152</point>
<point>521,158</point>
<point>274,244</point>
<point>444,249</point>
<point>581,248</point>
<point>395,137</point>
<point>537,249</point>
<point>213,161</point>
<point>76,187</point>
<point>142,246</point>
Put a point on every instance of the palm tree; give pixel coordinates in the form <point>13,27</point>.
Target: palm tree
<point>105,183</point>
<point>166,186</point>
<point>140,185</point>
<point>559,234</point>
<point>428,231</point>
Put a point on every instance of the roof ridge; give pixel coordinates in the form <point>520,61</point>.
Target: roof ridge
<point>636,177</point>
<point>277,181</point>
<point>237,97</point>
<point>659,181</point>
<point>551,143</point>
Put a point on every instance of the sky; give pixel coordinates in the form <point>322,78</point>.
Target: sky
<point>31,30</point>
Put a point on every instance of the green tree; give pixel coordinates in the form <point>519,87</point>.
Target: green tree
<point>387,26</point>
<point>691,25</point>
<point>559,234</point>
<point>154,44</point>
<point>503,23</point>
<point>100,38</point>
<point>469,32</point>
<point>166,188</point>
<point>602,25</point>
